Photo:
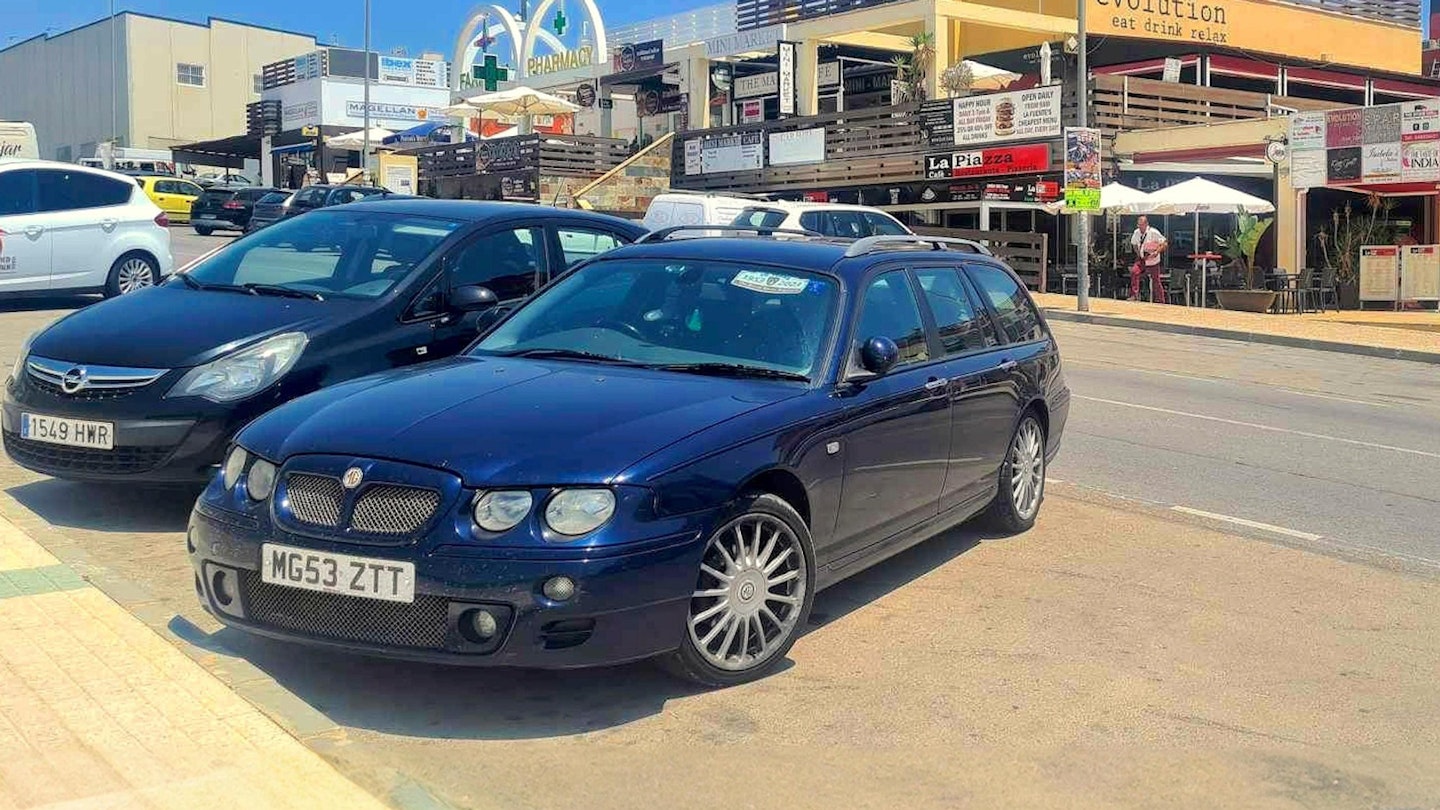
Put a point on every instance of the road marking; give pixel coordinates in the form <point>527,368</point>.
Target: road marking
<point>1232,381</point>
<point>1335,398</point>
<point>1272,428</point>
<point>1253,524</point>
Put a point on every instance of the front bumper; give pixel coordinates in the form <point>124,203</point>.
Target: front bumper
<point>182,449</point>
<point>630,602</point>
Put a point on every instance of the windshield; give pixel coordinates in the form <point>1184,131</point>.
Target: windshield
<point>667,312</point>
<point>345,253</point>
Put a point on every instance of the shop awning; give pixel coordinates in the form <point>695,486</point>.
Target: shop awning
<point>636,77</point>
<point>228,153</point>
<point>294,148</point>
<point>1325,78</point>
<point>1246,68</point>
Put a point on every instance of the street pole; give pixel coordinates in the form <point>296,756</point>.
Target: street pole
<point>365,151</point>
<point>114,89</point>
<point>1082,98</point>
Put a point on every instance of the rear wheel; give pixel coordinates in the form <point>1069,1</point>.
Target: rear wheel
<point>204,230</point>
<point>131,272</point>
<point>752,595</point>
<point>1022,479</point>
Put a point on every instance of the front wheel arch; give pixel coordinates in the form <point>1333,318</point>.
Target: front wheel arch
<point>112,278</point>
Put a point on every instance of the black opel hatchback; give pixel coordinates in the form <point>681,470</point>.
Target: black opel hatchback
<point>151,386</point>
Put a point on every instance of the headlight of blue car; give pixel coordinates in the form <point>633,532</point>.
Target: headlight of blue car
<point>573,512</point>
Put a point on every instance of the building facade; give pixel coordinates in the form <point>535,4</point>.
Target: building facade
<point>143,81</point>
<point>696,25</point>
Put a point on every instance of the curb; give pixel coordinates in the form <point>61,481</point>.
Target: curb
<point>1412,355</point>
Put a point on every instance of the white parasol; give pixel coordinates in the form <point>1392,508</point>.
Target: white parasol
<point>355,141</point>
<point>1200,196</point>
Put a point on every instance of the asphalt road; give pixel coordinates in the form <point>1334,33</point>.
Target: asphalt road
<point>1331,451</point>
<point>1122,653</point>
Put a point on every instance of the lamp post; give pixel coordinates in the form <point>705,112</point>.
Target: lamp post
<point>365,139</point>
<point>1082,87</point>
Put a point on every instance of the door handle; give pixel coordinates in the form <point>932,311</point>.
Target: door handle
<point>33,232</point>
<point>1008,365</point>
<point>937,384</point>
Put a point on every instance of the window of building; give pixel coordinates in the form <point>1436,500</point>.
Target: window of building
<point>189,75</point>
<point>259,81</point>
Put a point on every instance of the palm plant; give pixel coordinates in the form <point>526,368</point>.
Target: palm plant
<point>912,69</point>
<point>1241,244</point>
<point>1340,243</point>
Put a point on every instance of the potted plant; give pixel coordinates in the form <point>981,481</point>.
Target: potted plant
<point>1340,244</point>
<point>912,69</point>
<point>958,79</point>
<point>1239,248</point>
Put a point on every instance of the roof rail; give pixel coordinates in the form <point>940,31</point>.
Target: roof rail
<point>875,244</point>
<point>740,195</point>
<point>664,234</point>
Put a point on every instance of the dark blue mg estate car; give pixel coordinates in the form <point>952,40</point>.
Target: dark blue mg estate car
<point>666,452</point>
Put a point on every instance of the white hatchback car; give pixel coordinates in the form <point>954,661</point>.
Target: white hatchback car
<point>830,219</point>
<point>76,229</point>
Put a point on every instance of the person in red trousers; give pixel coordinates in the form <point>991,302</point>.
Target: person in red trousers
<point>1149,246</point>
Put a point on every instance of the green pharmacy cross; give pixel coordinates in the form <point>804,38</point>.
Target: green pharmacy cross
<point>490,73</point>
<point>560,23</point>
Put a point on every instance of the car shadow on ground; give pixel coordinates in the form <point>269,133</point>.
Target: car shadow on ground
<point>116,507</point>
<point>46,303</point>
<point>447,702</point>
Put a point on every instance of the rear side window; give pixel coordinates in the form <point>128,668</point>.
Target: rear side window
<point>61,190</point>
<point>508,262</point>
<point>17,193</point>
<point>890,311</point>
<point>1018,318</point>
<point>881,225</point>
<point>580,245</point>
<point>760,218</point>
<point>962,325</point>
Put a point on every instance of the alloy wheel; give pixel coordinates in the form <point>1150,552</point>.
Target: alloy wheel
<point>134,274</point>
<point>1027,468</point>
<point>750,592</point>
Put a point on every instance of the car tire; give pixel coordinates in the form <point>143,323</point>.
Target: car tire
<point>763,561</point>
<point>1022,479</point>
<point>204,230</point>
<point>131,272</point>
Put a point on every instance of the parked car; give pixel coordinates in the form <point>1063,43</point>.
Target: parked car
<point>828,219</point>
<point>675,208</point>
<point>666,452</point>
<point>269,210</point>
<point>70,228</point>
<point>151,386</point>
<point>226,207</point>
<point>217,179</point>
<point>174,196</point>
<point>312,197</point>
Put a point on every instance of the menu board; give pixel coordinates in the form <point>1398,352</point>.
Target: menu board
<point>744,151</point>
<point>1379,272</point>
<point>1013,116</point>
<point>1420,273</point>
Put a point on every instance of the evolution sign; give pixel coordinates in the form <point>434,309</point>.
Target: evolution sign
<point>1386,143</point>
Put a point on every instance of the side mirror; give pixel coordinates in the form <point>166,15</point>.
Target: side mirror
<point>878,355</point>
<point>472,298</point>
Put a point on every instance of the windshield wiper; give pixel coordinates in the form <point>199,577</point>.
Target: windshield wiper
<point>732,370</point>
<point>200,285</point>
<point>568,354</point>
<point>276,289</point>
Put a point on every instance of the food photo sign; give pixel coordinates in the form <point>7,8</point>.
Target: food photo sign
<point>1013,116</point>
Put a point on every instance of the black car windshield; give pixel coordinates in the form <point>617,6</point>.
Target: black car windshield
<point>698,314</point>
<point>341,253</point>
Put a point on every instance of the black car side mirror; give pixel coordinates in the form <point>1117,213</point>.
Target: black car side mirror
<point>473,298</point>
<point>878,355</point>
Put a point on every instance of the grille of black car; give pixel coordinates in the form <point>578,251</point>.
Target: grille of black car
<point>393,510</point>
<point>315,499</point>
<point>418,625</point>
<point>120,461</point>
<point>83,395</point>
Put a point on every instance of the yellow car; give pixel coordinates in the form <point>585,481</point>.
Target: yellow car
<point>173,195</point>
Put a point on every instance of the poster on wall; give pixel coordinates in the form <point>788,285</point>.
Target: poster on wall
<point>1307,169</point>
<point>1379,272</point>
<point>1419,161</point>
<point>741,152</point>
<point>937,122</point>
<point>1380,124</point>
<point>1007,116</point>
<point>1082,169</point>
<point>1380,162</point>
<point>1307,131</point>
<point>1420,273</point>
<point>1344,128</point>
<point>752,112</point>
<point>800,146</point>
<point>1420,120</point>
<point>1342,166</point>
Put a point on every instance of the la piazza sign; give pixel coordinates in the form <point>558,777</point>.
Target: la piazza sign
<point>487,23</point>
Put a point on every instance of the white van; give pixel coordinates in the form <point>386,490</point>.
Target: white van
<point>689,208</point>
<point>17,140</point>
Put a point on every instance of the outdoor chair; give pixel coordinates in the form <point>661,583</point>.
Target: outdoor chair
<point>1322,290</point>
<point>1305,290</point>
<point>1178,288</point>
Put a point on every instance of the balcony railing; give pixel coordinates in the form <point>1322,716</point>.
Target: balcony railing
<point>550,155</point>
<point>760,13</point>
<point>1126,103</point>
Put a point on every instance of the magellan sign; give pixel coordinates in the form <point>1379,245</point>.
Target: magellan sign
<point>1251,25</point>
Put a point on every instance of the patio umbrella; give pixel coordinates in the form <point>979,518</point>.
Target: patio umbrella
<point>355,141</point>
<point>988,77</point>
<point>1200,196</point>
<point>521,101</point>
<point>1113,196</point>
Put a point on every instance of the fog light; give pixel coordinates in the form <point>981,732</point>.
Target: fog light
<point>483,624</point>
<point>558,589</point>
<point>220,586</point>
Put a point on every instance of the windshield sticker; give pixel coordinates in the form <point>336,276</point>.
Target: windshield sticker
<point>769,283</point>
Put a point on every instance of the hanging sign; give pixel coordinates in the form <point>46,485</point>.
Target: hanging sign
<point>1379,272</point>
<point>585,95</point>
<point>789,95</point>
<point>1420,273</point>
<point>1082,169</point>
<point>1028,159</point>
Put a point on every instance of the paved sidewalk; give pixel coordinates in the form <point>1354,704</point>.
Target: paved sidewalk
<point>97,711</point>
<point>1405,335</point>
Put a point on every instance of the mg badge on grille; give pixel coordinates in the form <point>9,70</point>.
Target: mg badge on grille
<point>352,478</point>
<point>74,380</point>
